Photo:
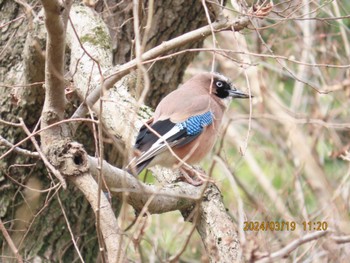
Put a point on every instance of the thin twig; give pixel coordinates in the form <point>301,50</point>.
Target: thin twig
<point>10,242</point>
<point>195,35</point>
<point>70,229</point>
<point>39,131</point>
<point>176,257</point>
<point>5,142</point>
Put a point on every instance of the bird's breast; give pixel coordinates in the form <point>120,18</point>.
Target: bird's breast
<point>196,150</point>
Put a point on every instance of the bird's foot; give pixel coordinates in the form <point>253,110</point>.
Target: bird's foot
<point>263,10</point>
<point>194,176</point>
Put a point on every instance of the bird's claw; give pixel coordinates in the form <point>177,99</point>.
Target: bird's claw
<point>263,10</point>
<point>193,176</point>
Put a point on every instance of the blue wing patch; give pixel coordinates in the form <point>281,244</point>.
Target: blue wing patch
<point>195,124</point>
<point>176,134</point>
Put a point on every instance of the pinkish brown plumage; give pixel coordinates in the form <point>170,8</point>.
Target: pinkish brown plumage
<point>188,119</point>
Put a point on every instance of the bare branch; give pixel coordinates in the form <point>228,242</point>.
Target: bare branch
<point>56,15</point>
<point>167,198</point>
<point>341,239</point>
<point>38,132</point>
<point>292,246</point>
<point>55,48</point>
<point>218,232</point>
<point>72,161</point>
<point>10,242</point>
<point>195,35</point>
<point>108,222</point>
<point>6,143</point>
<point>70,229</point>
<point>216,228</point>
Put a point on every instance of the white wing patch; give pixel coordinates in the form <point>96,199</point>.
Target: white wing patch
<point>159,146</point>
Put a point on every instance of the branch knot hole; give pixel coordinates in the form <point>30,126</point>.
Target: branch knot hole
<point>78,159</point>
<point>69,158</point>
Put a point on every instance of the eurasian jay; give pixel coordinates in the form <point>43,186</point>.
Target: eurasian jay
<point>187,120</point>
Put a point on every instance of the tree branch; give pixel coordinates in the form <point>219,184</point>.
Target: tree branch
<point>19,150</point>
<point>10,242</point>
<point>171,197</point>
<point>56,15</point>
<point>292,246</point>
<point>108,222</point>
<point>54,171</point>
<point>120,71</point>
<point>215,226</point>
<point>72,161</point>
<point>195,35</point>
<point>66,156</point>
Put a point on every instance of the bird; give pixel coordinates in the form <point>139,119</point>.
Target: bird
<point>185,124</point>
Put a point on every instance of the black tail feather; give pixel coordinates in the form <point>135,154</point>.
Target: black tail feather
<point>139,168</point>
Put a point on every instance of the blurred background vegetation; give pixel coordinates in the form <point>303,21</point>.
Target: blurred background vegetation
<point>287,147</point>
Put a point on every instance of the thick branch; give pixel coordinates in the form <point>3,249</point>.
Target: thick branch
<point>214,225</point>
<point>72,161</point>
<point>55,21</point>
<point>55,48</point>
<point>216,228</point>
<point>171,197</point>
<point>108,222</point>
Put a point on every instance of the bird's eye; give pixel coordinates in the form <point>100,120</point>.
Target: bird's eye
<point>219,84</point>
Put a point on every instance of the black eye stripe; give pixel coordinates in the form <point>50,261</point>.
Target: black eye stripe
<point>222,88</point>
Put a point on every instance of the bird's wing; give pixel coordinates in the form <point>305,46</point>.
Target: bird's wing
<point>179,108</point>
<point>166,133</point>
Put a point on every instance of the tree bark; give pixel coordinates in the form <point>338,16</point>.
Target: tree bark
<point>169,19</point>
<point>40,235</point>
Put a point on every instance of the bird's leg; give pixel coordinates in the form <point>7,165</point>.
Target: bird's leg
<point>193,176</point>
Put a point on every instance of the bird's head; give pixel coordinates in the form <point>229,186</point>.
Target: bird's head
<point>223,88</point>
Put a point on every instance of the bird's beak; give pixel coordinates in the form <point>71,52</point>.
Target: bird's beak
<point>235,93</point>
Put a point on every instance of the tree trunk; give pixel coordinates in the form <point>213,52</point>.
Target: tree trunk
<point>170,19</point>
